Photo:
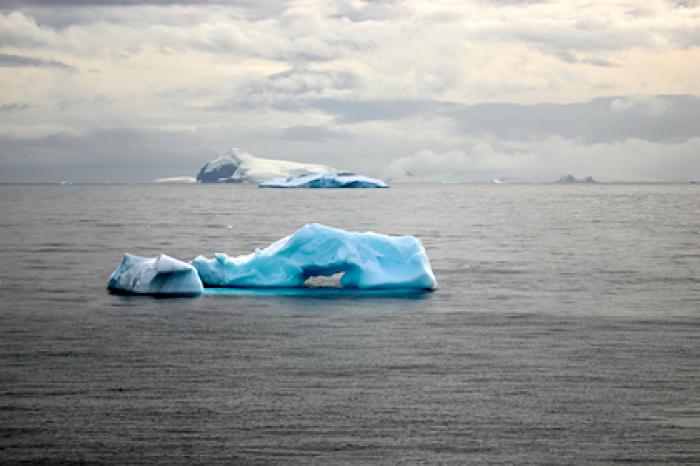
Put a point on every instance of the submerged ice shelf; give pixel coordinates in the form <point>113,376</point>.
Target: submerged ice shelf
<point>368,261</point>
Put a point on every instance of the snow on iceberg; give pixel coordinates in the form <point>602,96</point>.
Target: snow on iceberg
<point>367,260</point>
<point>325,180</point>
<point>237,166</point>
<point>154,275</point>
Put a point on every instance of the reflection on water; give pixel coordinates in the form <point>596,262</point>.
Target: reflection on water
<point>323,292</point>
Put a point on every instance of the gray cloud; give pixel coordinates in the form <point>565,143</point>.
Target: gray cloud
<point>571,58</point>
<point>312,133</point>
<point>289,90</point>
<point>356,111</point>
<point>106,155</point>
<point>20,61</point>
<point>550,158</point>
<point>594,121</point>
<point>15,4</point>
<point>660,118</point>
<point>13,107</point>
<point>376,10</point>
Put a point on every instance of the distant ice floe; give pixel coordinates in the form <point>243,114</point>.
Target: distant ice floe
<point>176,180</point>
<point>325,180</point>
<point>237,166</point>
<point>161,275</point>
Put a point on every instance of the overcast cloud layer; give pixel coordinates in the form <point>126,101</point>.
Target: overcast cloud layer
<point>415,90</point>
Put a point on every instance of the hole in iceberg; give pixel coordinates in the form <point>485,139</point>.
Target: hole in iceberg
<point>324,281</point>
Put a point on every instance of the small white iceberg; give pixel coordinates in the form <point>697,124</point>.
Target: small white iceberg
<point>176,180</point>
<point>161,275</point>
<point>366,260</point>
<point>325,180</point>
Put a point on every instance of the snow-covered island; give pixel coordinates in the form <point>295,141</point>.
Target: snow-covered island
<point>237,166</point>
<point>325,180</point>
<point>573,179</point>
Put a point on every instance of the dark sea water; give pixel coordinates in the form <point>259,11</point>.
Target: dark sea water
<point>566,329</point>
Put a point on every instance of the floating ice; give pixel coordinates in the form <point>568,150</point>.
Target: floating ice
<point>154,275</point>
<point>237,166</point>
<point>325,180</point>
<point>176,180</point>
<point>367,260</point>
<point>574,179</point>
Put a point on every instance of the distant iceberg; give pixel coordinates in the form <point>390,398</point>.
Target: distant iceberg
<point>367,260</point>
<point>176,180</point>
<point>573,179</point>
<point>161,275</point>
<point>325,180</point>
<point>237,166</point>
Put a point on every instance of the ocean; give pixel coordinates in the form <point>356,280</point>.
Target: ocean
<point>565,329</point>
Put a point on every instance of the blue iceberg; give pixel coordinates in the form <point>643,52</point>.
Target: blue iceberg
<point>366,260</point>
<point>160,275</point>
<point>325,180</point>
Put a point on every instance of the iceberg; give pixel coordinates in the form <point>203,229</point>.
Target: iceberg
<point>161,275</point>
<point>237,166</point>
<point>325,180</point>
<point>176,180</point>
<point>366,260</point>
<point>573,179</point>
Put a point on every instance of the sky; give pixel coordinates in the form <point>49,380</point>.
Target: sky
<point>528,90</point>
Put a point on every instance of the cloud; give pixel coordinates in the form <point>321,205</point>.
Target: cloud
<point>102,3</point>
<point>606,119</point>
<point>312,133</point>
<point>19,61</point>
<point>353,111</point>
<point>291,89</point>
<point>13,107</point>
<point>489,79</point>
<point>548,159</point>
<point>106,155</point>
<point>644,104</point>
